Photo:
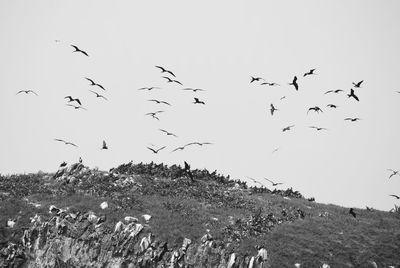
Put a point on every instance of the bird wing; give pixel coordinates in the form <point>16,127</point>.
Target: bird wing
<point>176,81</point>
<point>161,68</point>
<point>269,180</point>
<point>20,92</point>
<point>100,86</point>
<point>84,52</point>
<point>159,149</point>
<point>396,196</point>
<point>78,101</point>
<point>154,100</point>
<point>33,92</point>
<point>90,80</point>
<point>165,103</point>
<point>166,77</point>
<point>355,97</point>
<point>60,140</point>
<point>179,148</point>
<point>171,73</point>
<point>151,149</point>
<point>329,91</point>
<point>76,48</point>
<point>70,143</point>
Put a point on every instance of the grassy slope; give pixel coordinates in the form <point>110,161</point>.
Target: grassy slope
<point>181,209</point>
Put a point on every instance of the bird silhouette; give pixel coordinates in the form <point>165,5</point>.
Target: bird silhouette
<point>331,106</point>
<point>196,100</point>
<point>269,84</point>
<point>352,212</point>
<point>311,72</point>
<point>352,95</point>
<point>255,79</point>
<point>66,142</point>
<point>148,88</point>
<point>394,172</point>
<point>98,95</point>
<point>193,89</point>
<point>168,133</point>
<point>104,147</point>
<point>352,119</point>
<point>273,109</point>
<point>94,83</point>
<point>79,50</point>
<point>283,97</point>
<point>163,70</point>
<point>70,99</point>
<point>287,128</point>
<point>368,208</point>
<point>294,83</point>
<point>169,80</point>
<point>63,164</point>
<point>358,84</point>
<point>153,114</point>
<point>318,128</point>
<point>315,109</point>
<point>160,102</point>
<point>395,196</point>
<point>77,107</point>
<point>273,183</point>
<point>333,91</point>
<point>156,150</point>
<point>187,171</point>
<point>27,92</point>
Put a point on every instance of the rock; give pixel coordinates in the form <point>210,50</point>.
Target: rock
<point>92,217</point>
<point>11,223</point>
<point>104,205</point>
<point>53,209</point>
<point>231,261</point>
<point>297,265</point>
<point>325,265</point>
<point>146,217</point>
<point>130,219</point>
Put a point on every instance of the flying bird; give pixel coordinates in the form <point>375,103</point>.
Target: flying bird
<point>333,91</point>
<point>352,95</point>
<point>283,97</point>
<point>27,92</point>
<point>193,89</point>
<point>315,109</point>
<point>331,106</point>
<point>255,79</point>
<point>94,83</point>
<point>104,147</point>
<point>79,50</point>
<point>148,88</point>
<point>163,70</point>
<point>269,84</point>
<point>318,128</point>
<point>273,109</point>
<point>358,85</point>
<point>168,133</point>
<point>70,99</point>
<point>294,83</point>
<point>310,72</point>
<point>77,107</point>
<point>160,102</point>
<point>352,119</point>
<point>169,80</point>
<point>352,212</point>
<point>153,114</point>
<point>156,150</point>
<point>198,143</point>
<point>273,183</point>
<point>196,100</point>
<point>66,142</point>
<point>394,172</point>
<point>287,128</point>
<point>395,196</point>
<point>98,95</point>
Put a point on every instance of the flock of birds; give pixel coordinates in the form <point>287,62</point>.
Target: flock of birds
<point>170,77</point>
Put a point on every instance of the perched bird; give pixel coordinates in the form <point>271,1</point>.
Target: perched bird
<point>269,84</point>
<point>287,128</point>
<point>27,92</point>
<point>273,109</point>
<point>95,84</point>
<point>70,99</point>
<point>98,95</point>
<point>193,89</point>
<point>294,83</point>
<point>79,50</point>
<point>310,72</point>
<point>273,183</point>
<point>198,143</point>
<point>188,172</point>
<point>196,100</point>
<point>80,160</point>
<point>168,133</point>
<point>395,196</point>
<point>352,212</point>
<point>353,95</point>
<point>63,164</point>
<point>163,70</point>
<point>255,79</point>
<point>318,128</point>
<point>331,106</point>
<point>169,80</point>
<point>104,147</point>
<point>315,109</point>
<point>394,172</point>
<point>160,102</point>
<point>148,88</point>
<point>77,107</point>
<point>358,85</point>
<point>352,119</point>
<point>156,150</point>
<point>368,208</point>
<point>66,142</point>
<point>333,91</point>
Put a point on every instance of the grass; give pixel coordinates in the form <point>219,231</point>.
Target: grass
<point>292,230</point>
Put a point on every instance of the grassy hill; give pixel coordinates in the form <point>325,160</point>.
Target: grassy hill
<point>291,228</point>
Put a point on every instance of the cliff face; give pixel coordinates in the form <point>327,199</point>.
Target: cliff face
<point>82,240</point>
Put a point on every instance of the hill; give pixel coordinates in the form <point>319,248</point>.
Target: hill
<point>153,215</point>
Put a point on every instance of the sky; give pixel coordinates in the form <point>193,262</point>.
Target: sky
<point>216,46</point>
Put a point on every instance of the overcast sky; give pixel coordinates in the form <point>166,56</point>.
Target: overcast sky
<point>216,46</point>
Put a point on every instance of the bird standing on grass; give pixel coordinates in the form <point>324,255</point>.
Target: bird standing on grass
<point>352,212</point>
